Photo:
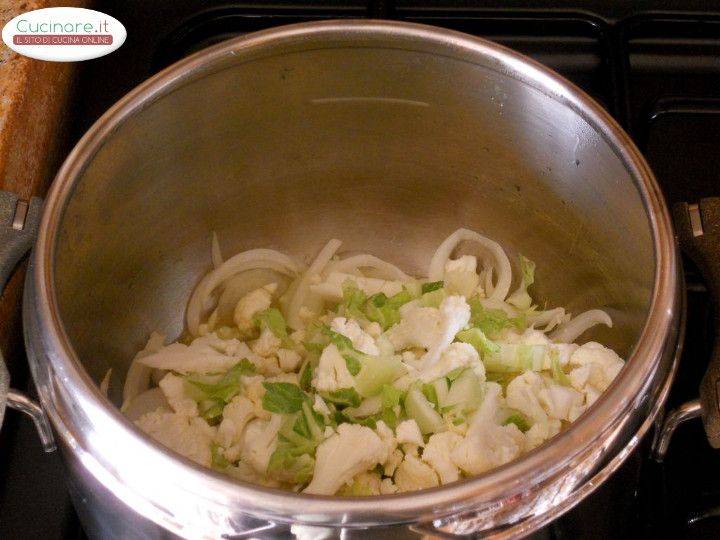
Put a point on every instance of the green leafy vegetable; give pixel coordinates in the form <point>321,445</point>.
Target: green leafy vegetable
<point>433,298</point>
<point>430,287</point>
<point>272,319</point>
<point>346,397</point>
<point>217,458</point>
<point>557,372</point>
<point>492,321</point>
<point>353,299</point>
<point>353,364</point>
<point>391,396</point>
<point>519,420</point>
<point>213,396</point>
<point>306,374</point>
<point>430,393</point>
<point>282,397</point>
<point>478,339</point>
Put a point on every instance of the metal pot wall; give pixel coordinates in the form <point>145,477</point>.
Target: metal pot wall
<point>388,136</point>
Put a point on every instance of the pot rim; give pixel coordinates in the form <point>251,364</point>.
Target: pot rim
<point>624,394</point>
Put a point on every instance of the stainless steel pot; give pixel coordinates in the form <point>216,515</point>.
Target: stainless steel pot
<point>388,136</point>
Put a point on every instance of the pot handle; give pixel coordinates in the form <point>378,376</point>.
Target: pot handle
<point>698,233</point>
<point>18,227</point>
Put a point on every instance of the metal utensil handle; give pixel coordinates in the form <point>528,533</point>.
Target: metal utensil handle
<point>18,227</point>
<point>698,231</point>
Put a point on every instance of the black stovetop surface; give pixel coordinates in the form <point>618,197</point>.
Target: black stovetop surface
<point>655,66</point>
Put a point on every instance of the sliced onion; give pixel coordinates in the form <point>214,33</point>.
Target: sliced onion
<point>317,266</point>
<point>385,269</point>
<point>148,401</point>
<point>548,319</point>
<point>216,254</point>
<point>138,375</point>
<point>247,260</point>
<point>571,330</point>
<point>105,383</point>
<point>501,262</point>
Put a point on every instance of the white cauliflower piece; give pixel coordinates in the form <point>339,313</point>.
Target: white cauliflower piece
<point>387,487</point>
<point>236,415</point>
<point>373,329</point>
<point>259,442</point>
<point>438,452</point>
<point>352,450</point>
<point>419,327</point>
<point>408,432</point>
<point>523,394</point>
<point>173,387</point>
<point>251,304</point>
<point>320,407</point>
<point>393,462</point>
<point>254,391</point>
<point>413,474</point>
<point>561,402</point>
<point>540,432</point>
<point>488,446</point>
<point>461,276</point>
<point>268,366</point>
<point>332,372</point>
<point>456,355</point>
<point>361,340</point>
<point>455,315</point>
<point>288,359</point>
<point>601,365</point>
<point>190,437</point>
<point>267,344</point>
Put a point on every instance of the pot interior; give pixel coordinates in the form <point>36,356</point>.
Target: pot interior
<point>388,146</point>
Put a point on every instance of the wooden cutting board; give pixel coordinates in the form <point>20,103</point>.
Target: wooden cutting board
<point>34,98</point>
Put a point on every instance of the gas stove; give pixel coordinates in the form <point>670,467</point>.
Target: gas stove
<point>657,72</point>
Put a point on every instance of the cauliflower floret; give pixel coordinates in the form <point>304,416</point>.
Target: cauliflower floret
<point>352,450</point>
<point>437,454</point>
<point>267,344</point>
<point>455,315</point>
<point>190,437</point>
<point>361,340</point>
<point>387,487</point>
<point>455,356</point>
<point>523,394</point>
<point>288,359</point>
<point>392,462</point>
<point>408,432</point>
<point>597,366</point>
<point>419,327</point>
<point>246,473</point>
<point>173,387</point>
<point>332,372</point>
<point>319,406</point>
<point>373,329</point>
<point>540,432</point>
<point>236,415</point>
<point>488,446</point>
<point>561,402</point>
<point>254,390</point>
<point>364,484</point>
<point>259,442</point>
<point>413,474</point>
<point>541,399</point>
<point>461,275</point>
<point>251,304</point>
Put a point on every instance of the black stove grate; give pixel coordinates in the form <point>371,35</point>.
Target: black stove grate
<point>657,73</point>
